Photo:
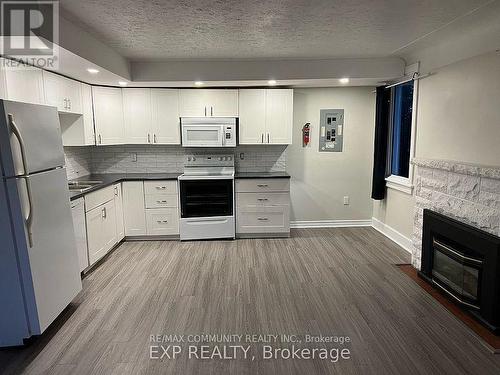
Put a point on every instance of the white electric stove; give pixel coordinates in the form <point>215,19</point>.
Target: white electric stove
<point>207,197</point>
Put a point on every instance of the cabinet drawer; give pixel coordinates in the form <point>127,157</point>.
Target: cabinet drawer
<point>260,185</point>
<point>162,221</point>
<point>262,199</point>
<point>161,200</point>
<point>96,198</point>
<point>160,187</point>
<point>263,219</point>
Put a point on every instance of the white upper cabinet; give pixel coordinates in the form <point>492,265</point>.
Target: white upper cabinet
<point>165,124</point>
<point>22,84</point>
<point>252,122</point>
<point>208,103</point>
<point>108,115</point>
<point>63,93</point>
<point>279,116</point>
<point>78,130</point>
<point>137,116</point>
<point>266,116</point>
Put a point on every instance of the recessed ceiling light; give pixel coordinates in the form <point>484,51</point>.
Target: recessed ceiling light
<point>122,83</point>
<point>92,70</point>
<point>344,80</point>
<point>198,83</point>
<point>271,82</point>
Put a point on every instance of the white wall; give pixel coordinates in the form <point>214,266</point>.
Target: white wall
<point>459,112</point>
<point>458,118</point>
<point>320,180</point>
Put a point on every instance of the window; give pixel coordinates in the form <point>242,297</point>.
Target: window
<point>400,141</point>
<point>399,170</point>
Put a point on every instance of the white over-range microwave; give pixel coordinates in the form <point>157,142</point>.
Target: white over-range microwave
<point>208,132</point>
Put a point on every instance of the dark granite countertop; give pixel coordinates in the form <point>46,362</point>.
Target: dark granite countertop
<point>261,175</point>
<point>112,178</point>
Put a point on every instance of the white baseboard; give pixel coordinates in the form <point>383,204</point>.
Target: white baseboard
<point>393,234</point>
<point>330,223</point>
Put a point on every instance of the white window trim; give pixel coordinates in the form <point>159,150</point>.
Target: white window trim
<point>402,183</point>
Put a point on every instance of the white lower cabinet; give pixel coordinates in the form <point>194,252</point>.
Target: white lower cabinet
<point>162,214</point>
<point>162,221</point>
<point>262,207</point>
<point>120,225</point>
<point>101,230</point>
<point>78,212</point>
<point>133,208</point>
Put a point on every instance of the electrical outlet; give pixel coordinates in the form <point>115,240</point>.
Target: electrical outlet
<point>242,156</point>
<point>346,200</point>
<point>134,156</point>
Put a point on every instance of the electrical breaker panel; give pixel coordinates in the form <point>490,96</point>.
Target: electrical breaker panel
<point>331,130</point>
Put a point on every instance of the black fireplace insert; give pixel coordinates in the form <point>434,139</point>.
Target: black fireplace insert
<point>464,263</point>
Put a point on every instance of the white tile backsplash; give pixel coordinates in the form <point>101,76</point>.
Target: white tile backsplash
<point>78,161</point>
<point>81,161</point>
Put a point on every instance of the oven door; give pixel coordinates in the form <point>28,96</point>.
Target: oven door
<point>206,197</point>
<point>202,135</point>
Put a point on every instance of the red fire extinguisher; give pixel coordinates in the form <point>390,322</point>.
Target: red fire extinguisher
<point>306,134</point>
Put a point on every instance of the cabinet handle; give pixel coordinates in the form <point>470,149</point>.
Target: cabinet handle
<point>69,104</point>
<point>149,138</point>
<point>161,201</point>
<point>162,221</point>
<point>205,111</point>
<point>65,103</point>
<point>262,138</point>
<point>100,140</point>
<point>262,219</point>
<point>262,199</point>
<point>104,212</point>
<point>161,187</point>
<point>211,111</point>
<point>262,185</point>
<point>154,138</point>
<point>116,191</point>
<point>267,137</point>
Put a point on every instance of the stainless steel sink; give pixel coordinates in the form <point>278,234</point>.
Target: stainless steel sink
<point>81,186</point>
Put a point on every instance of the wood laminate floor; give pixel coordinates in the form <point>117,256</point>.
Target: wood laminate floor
<point>320,281</point>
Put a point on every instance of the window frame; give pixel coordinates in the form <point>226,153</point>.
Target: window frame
<point>403,184</point>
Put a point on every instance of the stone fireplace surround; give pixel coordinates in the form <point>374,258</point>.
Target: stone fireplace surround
<point>466,192</point>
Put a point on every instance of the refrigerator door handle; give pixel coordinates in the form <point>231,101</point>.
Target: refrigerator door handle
<point>19,137</point>
<point>29,217</point>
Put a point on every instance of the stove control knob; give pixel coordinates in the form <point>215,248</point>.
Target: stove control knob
<point>189,158</point>
<point>194,159</point>
<point>221,158</point>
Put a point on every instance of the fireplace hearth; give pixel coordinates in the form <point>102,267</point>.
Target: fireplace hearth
<point>463,262</point>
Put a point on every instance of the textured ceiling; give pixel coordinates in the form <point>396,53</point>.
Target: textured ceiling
<point>257,29</point>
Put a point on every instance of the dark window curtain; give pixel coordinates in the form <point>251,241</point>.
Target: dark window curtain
<point>381,137</point>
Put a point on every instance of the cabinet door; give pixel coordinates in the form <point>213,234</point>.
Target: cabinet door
<point>272,219</point>
<point>133,208</point>
<point>63,93</point>
<point>252,122</point>
<point>279,116</point>
<point>109,225</point>
<point>165,122</point>
<point>120,227</point>
<point>71,90</point>
<point>78,212</point>
<point>95,236</point>
<point>108,115</point>
<point>137,116</point>
<point>193,103</point>
<point>223,103</point>
<point>24,85</point>
<point>54,91</point>
<point>88,115</point>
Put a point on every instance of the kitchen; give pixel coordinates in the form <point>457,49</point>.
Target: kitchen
<point>273,191</point>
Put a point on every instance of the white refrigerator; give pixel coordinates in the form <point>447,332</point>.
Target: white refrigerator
<point>39,273</point>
